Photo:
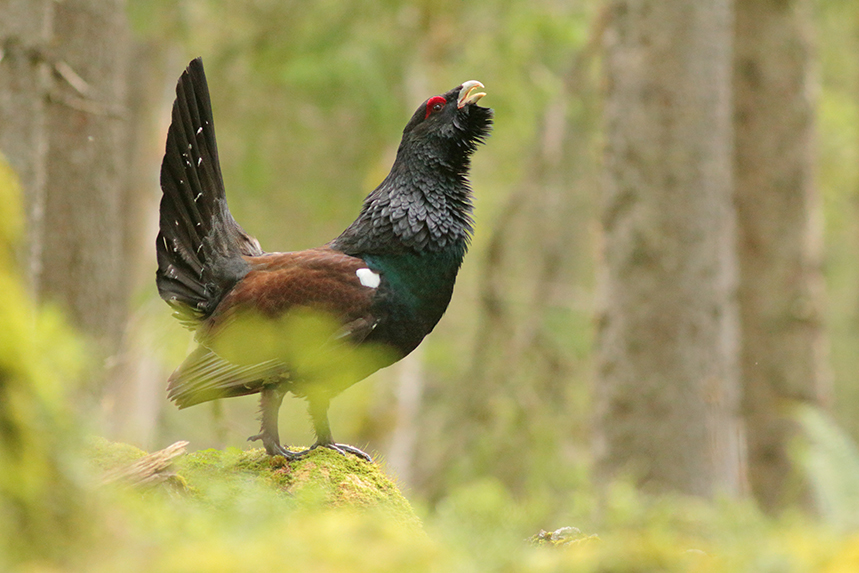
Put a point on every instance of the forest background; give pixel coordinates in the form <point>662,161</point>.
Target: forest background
<point>661,291</point>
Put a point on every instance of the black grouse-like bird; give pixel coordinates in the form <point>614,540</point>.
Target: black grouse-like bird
<point>384,282</point>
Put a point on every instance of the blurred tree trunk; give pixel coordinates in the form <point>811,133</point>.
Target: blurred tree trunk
<point>25,78</point>
<point>667,331</point>
<point>82,265</point>
<point>781,285</point>
<point>131,401</point>
<point>64,127</point>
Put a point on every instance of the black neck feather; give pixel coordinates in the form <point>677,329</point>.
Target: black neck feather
<point>425,202</point>
<point>415,208</point>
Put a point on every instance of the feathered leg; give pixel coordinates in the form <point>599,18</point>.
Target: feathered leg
<point>271,398</point>
<point>270,401</point>
<point>318,408</point>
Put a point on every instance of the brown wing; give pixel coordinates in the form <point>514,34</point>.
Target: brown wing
<point>287,309</point>
<point>318,279</point>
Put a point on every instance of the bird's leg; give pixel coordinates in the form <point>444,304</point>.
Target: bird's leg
<point>318,408</point>
<point>271,398</point>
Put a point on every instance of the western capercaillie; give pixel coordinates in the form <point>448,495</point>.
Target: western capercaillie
<point>288,322</point>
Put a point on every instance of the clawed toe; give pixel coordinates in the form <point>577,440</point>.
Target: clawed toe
<point>273,448</point>
<point>342,449</point>
<point>345,449</point>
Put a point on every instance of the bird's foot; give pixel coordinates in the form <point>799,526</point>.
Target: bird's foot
<point>339,448</point>
<point>273,447</point>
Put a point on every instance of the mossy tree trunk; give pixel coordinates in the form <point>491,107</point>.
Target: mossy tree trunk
<point>667,330</point>
<point>780,289</point>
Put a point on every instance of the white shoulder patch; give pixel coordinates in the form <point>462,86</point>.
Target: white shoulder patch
<point>368,278</point>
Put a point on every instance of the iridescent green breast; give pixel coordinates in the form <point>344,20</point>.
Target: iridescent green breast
<point>414,293</point>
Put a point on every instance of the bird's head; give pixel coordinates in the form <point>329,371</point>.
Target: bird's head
<point>424,204</point>
<point>450,125</point>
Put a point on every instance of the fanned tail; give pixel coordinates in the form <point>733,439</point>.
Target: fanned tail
<point>199,246</point>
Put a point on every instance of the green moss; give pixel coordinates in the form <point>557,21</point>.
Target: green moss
<point>106,455</point>
<point>245,511</point>
<point>323,479</point>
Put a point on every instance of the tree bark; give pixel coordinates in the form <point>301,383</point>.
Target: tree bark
<point>64,127</point>
<point>83,233</point>
<point>26,29</point>
<point>667,329</point>
<point>781,285</point>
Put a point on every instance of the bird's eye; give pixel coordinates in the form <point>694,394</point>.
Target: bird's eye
<point>435,104</point>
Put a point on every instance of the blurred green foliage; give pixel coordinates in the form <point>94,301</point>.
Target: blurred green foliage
<point>40,365</point>
<point>243,511</point>
<point>831,460</point>
<point>838,156</point>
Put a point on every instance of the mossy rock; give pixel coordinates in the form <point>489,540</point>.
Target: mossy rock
<point>322,479</point>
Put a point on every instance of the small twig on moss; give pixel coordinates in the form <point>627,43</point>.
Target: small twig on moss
<point>148,470</point>
<point>563,537</point>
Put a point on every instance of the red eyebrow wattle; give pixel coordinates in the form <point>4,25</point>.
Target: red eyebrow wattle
<point>432,101</point>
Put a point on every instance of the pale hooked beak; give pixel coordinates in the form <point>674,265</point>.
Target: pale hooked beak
<point>465,95</point>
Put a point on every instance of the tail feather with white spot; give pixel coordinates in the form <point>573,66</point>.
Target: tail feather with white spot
<point>200,246</point>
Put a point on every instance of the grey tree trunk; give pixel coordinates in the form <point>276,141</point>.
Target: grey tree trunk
<point>64,128</point>
<point>26,29</point>
<point>83,237</point>
<point>781,285</point>
<point>667,388</point>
